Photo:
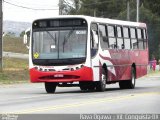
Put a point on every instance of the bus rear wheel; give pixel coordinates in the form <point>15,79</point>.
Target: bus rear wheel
<point>50,87</point>
<point>129,84</point>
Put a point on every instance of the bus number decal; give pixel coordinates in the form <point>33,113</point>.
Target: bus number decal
<point>80,32</point>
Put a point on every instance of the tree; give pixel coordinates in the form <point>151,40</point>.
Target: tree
<point>22,33</point>
<point>12,34</point>
<point>70,7</point>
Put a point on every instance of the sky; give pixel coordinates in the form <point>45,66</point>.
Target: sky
<point>14,13</point>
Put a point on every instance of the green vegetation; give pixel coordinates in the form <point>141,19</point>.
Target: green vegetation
<point>14,71</point>
<point>154,73</point>
<point>22,33</point>
<point>14,44</point>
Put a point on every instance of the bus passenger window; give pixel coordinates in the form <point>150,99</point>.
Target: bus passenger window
<point>123,46</point>
<point>134,44</point>
<point>140,39</point>
<point>111,36</point>
<point>125,32</point>
<point>144,34</point>
<point>133,38</point>
<point>145,38</point>
<point>111,31</point>
<point>103,37</point>
<point>127,42</point>
<point>145,44</point>
<point>140,44</point>
<point>119,32</point>
<point>139,33</point>
<point>120,44</point>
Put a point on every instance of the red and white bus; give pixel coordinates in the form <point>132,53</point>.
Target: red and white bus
<point>88,52</point>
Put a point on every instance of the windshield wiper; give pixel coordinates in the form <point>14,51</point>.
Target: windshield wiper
<point>53,38</point>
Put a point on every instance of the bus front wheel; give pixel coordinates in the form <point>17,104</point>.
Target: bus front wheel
<point>50,87</point>
<point>87,85</point>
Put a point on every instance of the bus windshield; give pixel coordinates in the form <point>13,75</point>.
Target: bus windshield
<point>60,44</point>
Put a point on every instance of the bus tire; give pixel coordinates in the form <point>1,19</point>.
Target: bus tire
<point>83,85</point>
<point>91,86</point>
<point>101,85</point>
<point>86,85</point>
<point>129,84</point>
<point>50,87</point>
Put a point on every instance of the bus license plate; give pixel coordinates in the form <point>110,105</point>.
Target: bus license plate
<point>59,75</point>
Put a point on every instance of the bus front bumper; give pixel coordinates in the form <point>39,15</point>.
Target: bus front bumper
<point>83,74</point>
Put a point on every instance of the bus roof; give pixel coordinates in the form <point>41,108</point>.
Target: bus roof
<point>101,20</point>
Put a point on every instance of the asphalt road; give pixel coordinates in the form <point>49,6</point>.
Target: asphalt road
<point>31,98</point>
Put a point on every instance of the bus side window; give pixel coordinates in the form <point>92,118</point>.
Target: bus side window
<point>133,38</point>
<point>94,39</point>
<point>140,39</point>
<point>111,37</point>
<point>145,38</point>
<point>127,42</point>
<point>103,37</point>
<point>120,44</point>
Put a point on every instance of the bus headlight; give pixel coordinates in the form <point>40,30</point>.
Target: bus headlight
<point>82,66</point>
<point>72,69</point>
<point>77,68</point>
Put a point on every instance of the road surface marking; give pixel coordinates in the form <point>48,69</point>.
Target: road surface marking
<point>89,102</point>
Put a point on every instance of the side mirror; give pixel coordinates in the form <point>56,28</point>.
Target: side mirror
<point>26,37</point>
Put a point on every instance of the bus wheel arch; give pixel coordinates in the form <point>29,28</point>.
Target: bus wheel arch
<point>101,84</point>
